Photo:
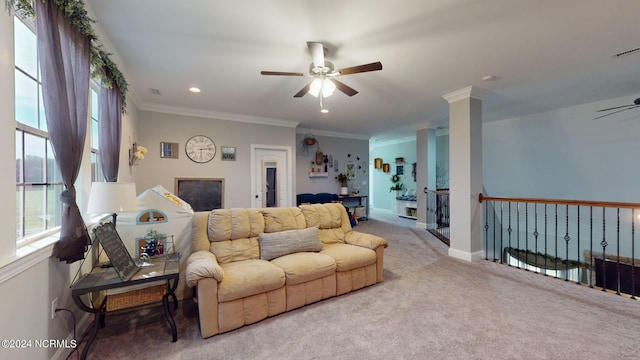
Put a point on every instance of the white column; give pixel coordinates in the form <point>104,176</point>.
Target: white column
<point>426,174</point>
<point>465,172</point>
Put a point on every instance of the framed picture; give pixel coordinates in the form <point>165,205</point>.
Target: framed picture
<point>350,169</point>
<point>201,194</point>
<point>228,153</point>
<point>168,150</point>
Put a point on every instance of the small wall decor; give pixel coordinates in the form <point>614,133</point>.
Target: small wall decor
<point>377,163</point>
<point>350,169</point>
<point>400,169</point>
<point>385,167</point>
<point>319,157</point>
<point>169,150</point>
<point>136,153</point>
<point>228,153</point>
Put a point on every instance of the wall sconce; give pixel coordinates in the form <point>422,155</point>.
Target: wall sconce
<point>136,153</point>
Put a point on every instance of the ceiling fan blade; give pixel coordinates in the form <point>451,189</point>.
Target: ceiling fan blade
<point>615,112</point>
<point>361,68</point>
<point>282,73</point>
<point>613,108</point>
<point>317,53</point>
<point>302,92</point>
<point>344,88</point>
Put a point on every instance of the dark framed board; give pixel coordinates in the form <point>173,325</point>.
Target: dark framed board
<point>201,193</point>
<point>117,253</point>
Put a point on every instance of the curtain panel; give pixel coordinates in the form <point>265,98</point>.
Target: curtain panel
<point>64,55</point>
<point>110,133</point>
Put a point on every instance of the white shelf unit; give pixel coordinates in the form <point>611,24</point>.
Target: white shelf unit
<point>318,174</point>
<point>407,209</point>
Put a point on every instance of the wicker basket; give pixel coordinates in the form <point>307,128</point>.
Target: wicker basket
<point>135,297</point>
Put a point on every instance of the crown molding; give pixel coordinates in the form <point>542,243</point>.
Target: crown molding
<point>465,93</point>
<point>178,110</point>
<point>317,132</point>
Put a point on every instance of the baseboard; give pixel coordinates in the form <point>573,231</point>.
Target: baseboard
<point>466,256</point>
<point>421,225</point>
<point>82,326</point>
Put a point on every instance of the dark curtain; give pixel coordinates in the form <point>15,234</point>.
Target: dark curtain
<point>64,63</point>
<point>110,133</point>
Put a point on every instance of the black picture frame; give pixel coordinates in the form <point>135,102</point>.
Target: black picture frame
<point>118,255</point>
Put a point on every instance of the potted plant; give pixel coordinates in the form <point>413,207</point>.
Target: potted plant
<point>152,237</point>
<point>309,139</point>
<point>342,179</point>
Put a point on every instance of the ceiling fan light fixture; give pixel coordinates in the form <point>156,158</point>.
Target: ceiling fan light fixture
<point>326,86</point>
<point>324,111</point>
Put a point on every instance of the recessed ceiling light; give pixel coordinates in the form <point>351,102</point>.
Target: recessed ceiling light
<point>324,111</point>
<point>194,89</point>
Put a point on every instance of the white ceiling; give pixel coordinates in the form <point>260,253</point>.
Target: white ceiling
<point>545,53</point>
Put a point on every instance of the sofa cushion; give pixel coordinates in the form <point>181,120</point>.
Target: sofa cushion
<point>234,234</point>
<point>249,277</point>
<point>331,219</point>
<point>273,245</point>
<point>349,257</point>
<point>305,266</point>
<point>232,224</point>
<point>282,219</point>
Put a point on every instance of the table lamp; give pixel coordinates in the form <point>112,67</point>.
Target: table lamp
<point>112,197</point>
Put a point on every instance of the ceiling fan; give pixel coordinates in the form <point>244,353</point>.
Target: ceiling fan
<point>324,74</point>
<point>636,103</point>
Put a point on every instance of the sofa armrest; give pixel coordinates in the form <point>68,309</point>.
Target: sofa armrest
<point>365,240</point>
<point>201,265</point>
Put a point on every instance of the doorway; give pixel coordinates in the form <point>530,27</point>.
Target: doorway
<point>271,176</point>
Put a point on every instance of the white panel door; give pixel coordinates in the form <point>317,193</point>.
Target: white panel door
<point>271,176</point>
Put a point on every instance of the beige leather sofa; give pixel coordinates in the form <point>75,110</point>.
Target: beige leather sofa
<point>249,264</point>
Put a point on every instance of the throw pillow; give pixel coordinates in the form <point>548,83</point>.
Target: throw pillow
<point>273,245</point>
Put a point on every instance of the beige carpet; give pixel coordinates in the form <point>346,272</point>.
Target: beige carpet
<point>430,306</point>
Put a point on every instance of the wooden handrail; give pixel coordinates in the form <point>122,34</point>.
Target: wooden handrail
<point>623,205</point>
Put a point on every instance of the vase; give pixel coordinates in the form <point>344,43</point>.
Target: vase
<point>344,190</point>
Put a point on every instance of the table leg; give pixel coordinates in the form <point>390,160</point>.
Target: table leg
<point>169,317</point>
<point>98,322</point>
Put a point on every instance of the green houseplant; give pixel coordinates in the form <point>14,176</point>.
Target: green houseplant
<point>342,179</point>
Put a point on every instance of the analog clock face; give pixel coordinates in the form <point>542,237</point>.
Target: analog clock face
<point>200,149</point>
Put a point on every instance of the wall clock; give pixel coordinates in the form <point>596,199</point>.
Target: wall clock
<point>200,149</point>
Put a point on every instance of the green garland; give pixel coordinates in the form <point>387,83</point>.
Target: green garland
<point>103,67</point>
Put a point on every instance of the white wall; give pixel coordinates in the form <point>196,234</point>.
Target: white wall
<point>388,152</point>
<point>564,154</point>
<point>155,127</point>
<point>339,148</point>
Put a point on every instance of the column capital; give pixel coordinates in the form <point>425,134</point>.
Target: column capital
<point>465,93</point>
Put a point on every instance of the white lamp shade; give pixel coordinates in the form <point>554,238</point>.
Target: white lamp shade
<point>326,86</point>
<point>112,197</point>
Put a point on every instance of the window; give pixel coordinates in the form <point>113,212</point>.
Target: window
<point>38,181</point>
<point>96,167</point>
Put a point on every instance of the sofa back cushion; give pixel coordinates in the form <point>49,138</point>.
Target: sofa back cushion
<point>331,219</point>
<point>282,219</point>
<point>234,234</point>
<point>274,245</point>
